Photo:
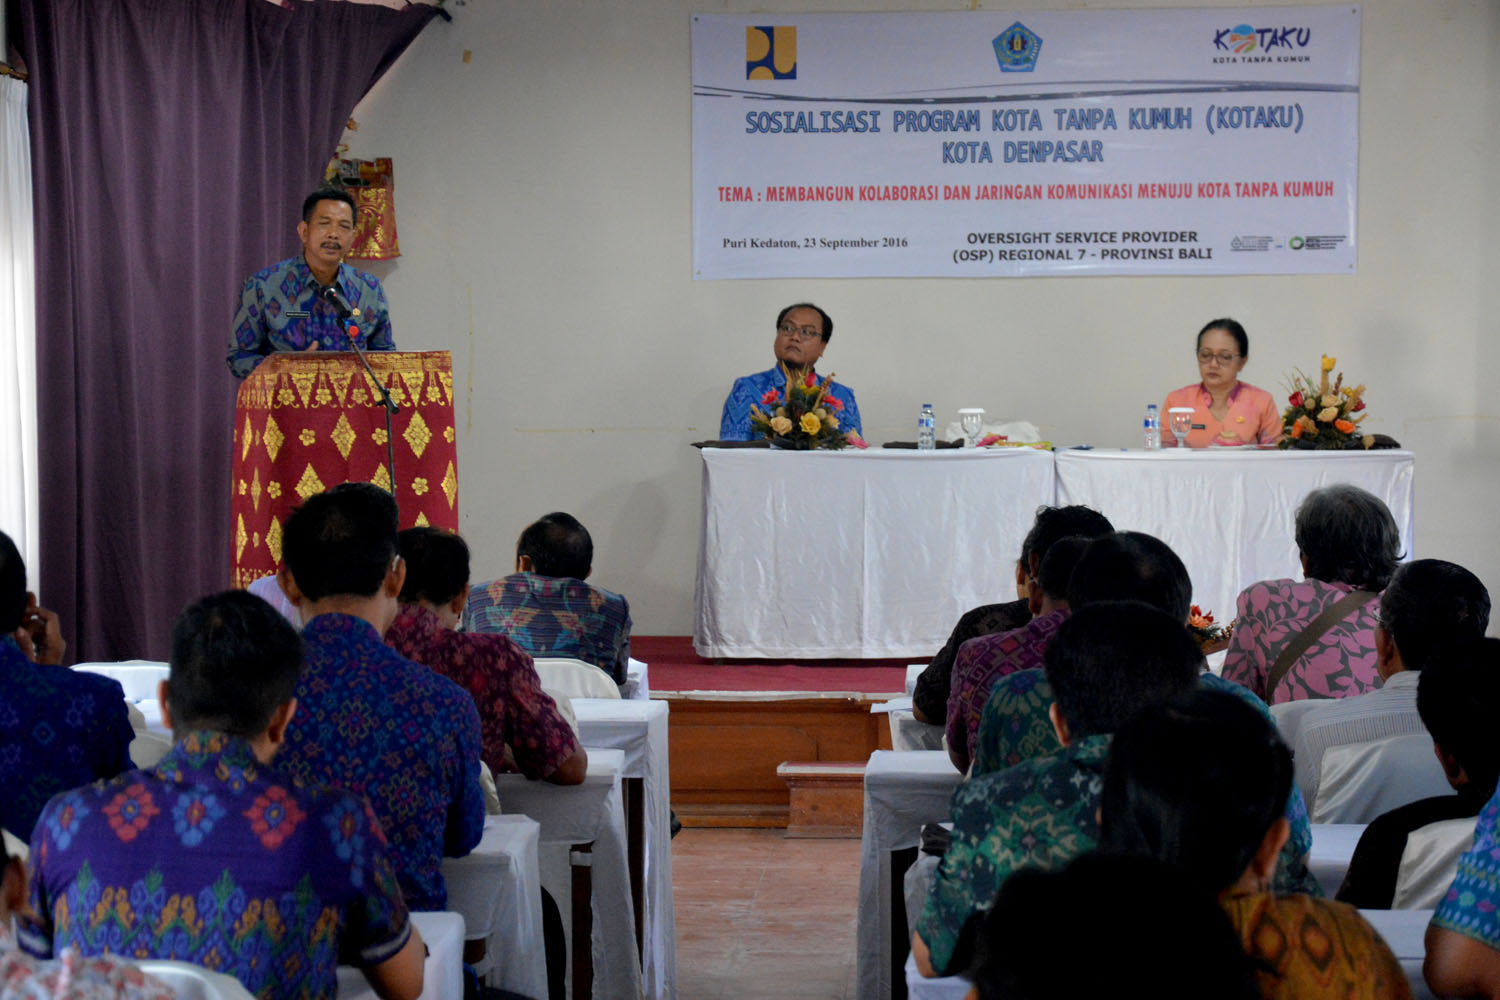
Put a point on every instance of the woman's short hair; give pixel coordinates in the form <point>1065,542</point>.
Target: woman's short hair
<point>1347,535</point>
<point>1195,782</point>
<point>1231,327</point>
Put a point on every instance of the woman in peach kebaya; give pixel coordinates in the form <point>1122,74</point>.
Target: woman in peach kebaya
<point>1226,411</point>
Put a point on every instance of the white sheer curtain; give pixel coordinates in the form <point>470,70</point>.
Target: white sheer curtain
<point>19,514</point>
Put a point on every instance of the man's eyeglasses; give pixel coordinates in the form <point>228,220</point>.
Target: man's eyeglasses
<point>1222,357</point>
<point>799,332</point>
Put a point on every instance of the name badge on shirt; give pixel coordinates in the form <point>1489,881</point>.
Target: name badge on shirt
<point>1196,427</point>
<point>297,314</point>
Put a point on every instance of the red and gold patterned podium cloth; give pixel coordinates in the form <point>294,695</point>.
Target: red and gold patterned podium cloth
<point>306,422</point>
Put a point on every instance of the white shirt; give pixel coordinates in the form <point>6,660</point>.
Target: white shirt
<point>1389,711</point>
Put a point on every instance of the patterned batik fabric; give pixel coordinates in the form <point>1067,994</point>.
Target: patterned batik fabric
<point>555,616</point>
<point>280,310</point>
<point>520,728</point>
<point>214,858</point>
<point>930,694</point>
<point>734,422</point>
<point>983,661</point>
<point>72,976</point>
<point>1043,814</point>
<point>1314,949</point>
<point>374,723</point>
<point>58,729</point>
<point>1016,727</point>
<point>1270,614</point>
<point>1471,906</point>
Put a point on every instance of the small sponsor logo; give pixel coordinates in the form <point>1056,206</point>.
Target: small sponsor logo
<point>770,52</point>
<point>1250,244</point>
<point>1315,242</point>
<point>1244,39</point>
<point>1017,49</point>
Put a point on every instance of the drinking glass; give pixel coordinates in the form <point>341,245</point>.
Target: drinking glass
<point>971,422</point>
<point>1181,418</point>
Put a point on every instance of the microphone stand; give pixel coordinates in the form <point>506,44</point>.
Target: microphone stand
<point>386,402</point>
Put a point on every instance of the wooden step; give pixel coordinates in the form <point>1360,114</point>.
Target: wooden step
<point>827,797</point>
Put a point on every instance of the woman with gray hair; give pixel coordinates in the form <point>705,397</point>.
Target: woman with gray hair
<point>1315,637</point>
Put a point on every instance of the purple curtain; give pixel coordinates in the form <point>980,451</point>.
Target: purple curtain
<point>172,143</point>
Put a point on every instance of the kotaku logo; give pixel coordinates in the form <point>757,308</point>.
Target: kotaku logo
<point>1243,39</point>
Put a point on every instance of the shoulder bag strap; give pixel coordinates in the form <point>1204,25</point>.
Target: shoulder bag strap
<point>1330,616</point>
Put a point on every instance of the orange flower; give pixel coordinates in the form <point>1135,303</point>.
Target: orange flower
<point>1344,425</point>
<point>1296,430</point>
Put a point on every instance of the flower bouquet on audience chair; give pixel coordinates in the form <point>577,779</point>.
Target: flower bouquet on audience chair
<point>1210,636</point>
<point>803,416</point>
<point>1324,416</point>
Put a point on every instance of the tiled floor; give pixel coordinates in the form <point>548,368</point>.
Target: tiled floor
<point>761,916</point>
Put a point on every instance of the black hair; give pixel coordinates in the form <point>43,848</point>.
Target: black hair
<point>1058,565</point>
<point>1230,327</point>
<point>12,586</point>
<point>1197,783</point>
<point>1458,697</point>
<point>437,565</point>
<point>1430,604</point>
<point>310,203</point>
<point>1053,523</point>
<point>1111,659</point>
<point>557,545</point>
<point>1132,566</point>
<point>827,319</point>
<point>234,660</point>
<point>1348,536</point>
<point>341,541</point>
<point>1021,954</point>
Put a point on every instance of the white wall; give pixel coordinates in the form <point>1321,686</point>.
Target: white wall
<point>544,205</point>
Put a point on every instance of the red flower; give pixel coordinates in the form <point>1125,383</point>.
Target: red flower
<point>810,381</point>
<point>274,816</point>
<point>1295,399</point>
<point>130,811</point>
<point>771,396</point>
<point>833,403</point>
<point>1357,406</point>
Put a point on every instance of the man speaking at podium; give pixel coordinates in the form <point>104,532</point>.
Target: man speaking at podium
<point>302,303</point>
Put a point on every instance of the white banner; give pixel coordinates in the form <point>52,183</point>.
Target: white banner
<point>1203,141</point>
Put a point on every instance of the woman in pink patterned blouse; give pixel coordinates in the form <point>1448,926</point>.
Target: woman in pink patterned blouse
<point>1226,411</point>
<point>1349,543</point>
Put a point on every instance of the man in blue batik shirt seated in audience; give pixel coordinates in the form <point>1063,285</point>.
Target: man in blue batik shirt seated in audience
<point>802,333</point>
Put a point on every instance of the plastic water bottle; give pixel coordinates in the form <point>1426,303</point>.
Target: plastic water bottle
<point>926,429</point>
<point>1153,428</point>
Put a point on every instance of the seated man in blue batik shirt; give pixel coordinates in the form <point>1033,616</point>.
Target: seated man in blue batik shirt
<point>287,306</point>
<point>547,609</point>
<point>802,333</point>
<point>368,719</point>
<point>58,729</point>
<point>217,855</point>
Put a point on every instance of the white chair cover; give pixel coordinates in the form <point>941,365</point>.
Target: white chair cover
<point>194,982</point>
<point>574,678</point>
<point>1430,861</point>
<point>944,988</point>
<point>139,678</point>
<point>442,973</point>
<point>1360,781</point>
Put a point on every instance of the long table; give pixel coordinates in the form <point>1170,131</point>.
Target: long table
<point>808,555</point>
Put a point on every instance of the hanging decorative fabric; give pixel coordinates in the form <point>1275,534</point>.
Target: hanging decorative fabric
<point>373,185</point>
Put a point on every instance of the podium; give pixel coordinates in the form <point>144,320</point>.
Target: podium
<point>305,422</point>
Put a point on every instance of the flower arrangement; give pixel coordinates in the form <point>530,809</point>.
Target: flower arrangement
<point>1210,637</point>
<point>1323,416</point>
<point>803,416</point>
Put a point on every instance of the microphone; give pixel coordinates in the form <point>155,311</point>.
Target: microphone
<point>330,294</point>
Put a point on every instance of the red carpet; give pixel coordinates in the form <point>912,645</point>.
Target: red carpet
<point>676,667</point>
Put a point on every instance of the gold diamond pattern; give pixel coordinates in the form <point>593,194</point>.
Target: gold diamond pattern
<point>343,435</point>
<point>382,478</point>
<point>417,435</point>
<point>240,538</point>
<point>446,378</point>
<point>422,521</point>
<point>255,492</point>
<point>309,484</point>
<point>247,438</point>
<point>450,485</point>
<point>273,539</point>
<point>303,382</point>
<point>414,381</point>
<point>273,437</point>
<point>340,382</point>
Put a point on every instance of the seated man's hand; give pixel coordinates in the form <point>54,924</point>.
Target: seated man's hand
<point>40,634</point>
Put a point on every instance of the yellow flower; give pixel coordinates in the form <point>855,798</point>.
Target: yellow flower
<point>1328,363</point>
<point>810,423</point>
<point>1330,399</point>
<point>831,422</point>
<point>781,426</point>
<point>1327,413</point>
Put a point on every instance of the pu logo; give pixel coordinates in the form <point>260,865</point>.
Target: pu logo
<point>770,53</point>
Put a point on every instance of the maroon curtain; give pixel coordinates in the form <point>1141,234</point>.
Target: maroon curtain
<point>172,144</point>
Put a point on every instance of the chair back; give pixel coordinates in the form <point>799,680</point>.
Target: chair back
<point>1430,861</point>
<point>193,982</point>
<point>574,678</point>
<point>139,678</point>
<point>1361,781</point>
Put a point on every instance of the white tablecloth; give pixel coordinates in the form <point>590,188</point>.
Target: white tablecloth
<point>639,730</point>
<point>903,790</point>
<point>443,973</point>
<point>1404,930</point>
<point>497,888</point>
<point>580,814</point>
<point>1228,513</point>
<point>895,544</point>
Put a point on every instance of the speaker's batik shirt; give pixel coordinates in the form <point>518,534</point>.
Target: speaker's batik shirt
<point>280,310</point>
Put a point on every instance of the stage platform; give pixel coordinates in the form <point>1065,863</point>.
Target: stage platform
<point>733,722</point>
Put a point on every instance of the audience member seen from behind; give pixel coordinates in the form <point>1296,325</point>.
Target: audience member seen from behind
<point>545,606</point>
<point>983,661</point>
<point>521,729</point>
<point>1106,663</point>
<point>58,729</point>
<point>1022,952</point>
<point>217,855</point>
<point>1201,784</point>
<point>1428,606</point>
<point>929,700</point>
<point>1459,700</point>
<point>1226,411</point>
<point>1315,637</point>
<point>369,720</point>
